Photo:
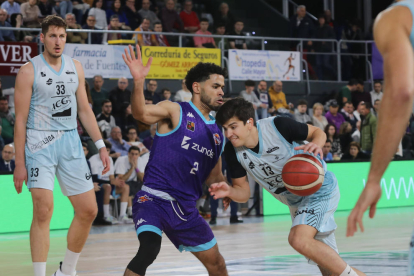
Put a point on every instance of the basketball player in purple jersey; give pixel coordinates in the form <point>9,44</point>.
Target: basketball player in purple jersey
<point>185,153</point>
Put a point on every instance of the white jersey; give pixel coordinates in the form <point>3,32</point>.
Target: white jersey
<point>53,104</point>
<point>97,167</point>
<point>265,167</point>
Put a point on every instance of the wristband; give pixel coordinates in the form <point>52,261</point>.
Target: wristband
<point>136,170</point>
<point>100,144</point>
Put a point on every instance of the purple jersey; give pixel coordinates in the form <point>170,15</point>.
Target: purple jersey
<point>182,159</point>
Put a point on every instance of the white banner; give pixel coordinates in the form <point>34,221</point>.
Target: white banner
<point>105,60</point>
<point>264,65</point>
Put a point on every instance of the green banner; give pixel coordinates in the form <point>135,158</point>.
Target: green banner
<point>17,209</point>
<point>397,186</point>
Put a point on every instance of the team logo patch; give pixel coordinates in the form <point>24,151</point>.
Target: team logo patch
<point>251,165</point>
<point>88,176</point>
<point>144,198</point>
<point>140,221</point>
<point>43,74</point>
<point>190,126</point>
<point>189,114</point>
<point>49,81</point>
<point>70,73</point>
<point>217,139</point>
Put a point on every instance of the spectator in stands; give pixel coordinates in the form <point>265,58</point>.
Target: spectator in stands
<point>10,6</point>
<point>6,161</point>
<point>128,120</point>
<point>326,150</point>
<point>359,95</point>
<point>63,7</point>
<point>1,140</point>
<point>98,93</point>
<point>345,135</point>
<point>183,95</point>
<point>225,17</point>
<point>132,14</point>
<point>204,42</point>
<point>46,7</point>
<point>328,18</point>
<point>357,112</point>
<point>348,114</point>
<point>114,24</point>
<point>133,140</point>
<point>278,98</point>
<point>80,8</point>
<point>301,114</point>
<point>117,9</point>
<point>376,94</point>
<point>237,43</point>
<point>99,13</point>
<point>161,40</point>
<point>5,35</point>
<point>189,17</point>
<point>120,97</point>
<point>376,108</point>
<point>16,21</point>
<point>74,37</point>
<point>323,62</point>
<point>301,26</point>
<point>333,116</point>
<point>7,120</point>
<point>250,96</point>
<point>150,92</point>
<point>171,21</point>
<point>96,38</point>
<point>318,119</point>
<point>354,153</point>
<point>166,94</point>
<point>119,145</point>
<point>368,129</point>
<point>106,121</point>
<point>145,39</point>
<point>345,93</point>
<point>332,134</point>
<point>263,95</point>
<point>150,139</point>
<point>145,12</point>
<point>31,14</point>
<point>221,30</point>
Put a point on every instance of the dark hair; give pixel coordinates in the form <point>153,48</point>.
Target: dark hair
<point>53,20</point>
<point>157,23</point>
<point>321,15</point>
<point>327,130</point>
<point>220,24</point>
<point>145,18</point>
<point>348,102</point>
<point>352,82</point>
<point>149,99</point>
<point>13,20</point>
<point>2,98</point>
<point>134,148</point>
<point>328,141</point>
<point>303,102</point>
<point>378,81</point>
<point>151,80</point>
<point>237,21</point>
<point>237,107</point>
<point>165,89</point>
<point>85,145</point>
<point>131,127</point>
<point>88,92</point>
<point>249,83</point>
<point>364,104</point>
<point>114,16</point>
<point>354,144</point>
<point>113,7</point>
<point>201,72</point>
<point>96,1</point>
<point>204,20</point>
<point>105,101</point>
<point>360,81</point>
<point>108,144</point>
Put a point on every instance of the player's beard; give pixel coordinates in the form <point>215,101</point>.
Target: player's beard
<point>205,99</point>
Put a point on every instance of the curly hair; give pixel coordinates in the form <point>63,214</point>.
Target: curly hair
<point>201,72</point>
<point>237,107</point>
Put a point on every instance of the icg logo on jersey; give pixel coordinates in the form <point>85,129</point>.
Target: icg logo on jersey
<point>186,145</point>
<point>62,106</point>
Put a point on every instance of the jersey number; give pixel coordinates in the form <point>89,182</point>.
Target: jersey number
<point>195,169</point>
<point>60,89</point>
<point>34,172</point>
<point>268,170</point>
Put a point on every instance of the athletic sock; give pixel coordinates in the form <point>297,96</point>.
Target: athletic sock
<point>39,268</point>
<point>124,206</point>
<point>106,210</point>
<point>348,271</point>
<point>69,262</point>
<point>130,211</point>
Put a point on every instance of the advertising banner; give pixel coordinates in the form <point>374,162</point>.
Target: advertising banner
<point>264,65</point>
<point>13,55</point>
<point>174,62</point>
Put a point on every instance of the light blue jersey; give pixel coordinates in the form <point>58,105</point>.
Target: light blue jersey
<point>53,104</point>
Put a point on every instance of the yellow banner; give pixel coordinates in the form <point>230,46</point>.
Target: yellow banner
<point>174,62</point>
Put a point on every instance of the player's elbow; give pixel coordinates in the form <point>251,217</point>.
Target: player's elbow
<point>402,95</point>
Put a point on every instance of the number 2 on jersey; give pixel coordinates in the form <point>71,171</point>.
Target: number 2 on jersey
<point>195,169</point>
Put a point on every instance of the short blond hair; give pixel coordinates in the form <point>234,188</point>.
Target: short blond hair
<point>316,105</point>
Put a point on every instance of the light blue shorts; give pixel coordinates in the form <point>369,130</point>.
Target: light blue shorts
<point>60,153</point>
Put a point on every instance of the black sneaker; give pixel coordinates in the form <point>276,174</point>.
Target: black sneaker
<point>235,219</point>
<point>213,221</point>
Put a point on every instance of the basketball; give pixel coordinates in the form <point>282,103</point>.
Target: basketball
<point>303,175</point>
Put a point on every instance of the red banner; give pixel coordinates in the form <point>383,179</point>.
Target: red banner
<point>15,54</point>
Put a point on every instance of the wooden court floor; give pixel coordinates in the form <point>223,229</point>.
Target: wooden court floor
<point>257,247</point>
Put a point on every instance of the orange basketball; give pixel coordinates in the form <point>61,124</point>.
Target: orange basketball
<point>303,175</point>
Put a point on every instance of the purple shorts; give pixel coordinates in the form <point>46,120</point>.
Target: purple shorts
<point>185,228</point>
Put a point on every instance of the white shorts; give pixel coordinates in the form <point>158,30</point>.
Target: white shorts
<point>60,153</point>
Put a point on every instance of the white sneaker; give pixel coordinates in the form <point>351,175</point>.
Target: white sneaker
<point>125,220</point>
<point>60,273</point>
<point>111,219</point>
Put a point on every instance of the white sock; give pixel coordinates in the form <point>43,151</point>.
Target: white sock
<point>39,268</point>
<point>348,271</point>
<point>69,262</point>
<point>124,206</point>
<point>130,211</point>
<point>106,210</point>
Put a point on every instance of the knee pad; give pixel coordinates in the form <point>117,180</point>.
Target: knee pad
<point>150,245</point>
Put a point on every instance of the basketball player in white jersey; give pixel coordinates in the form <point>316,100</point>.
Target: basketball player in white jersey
<point>394,37</point>
<point>50,93</point>
<point>261,149</point>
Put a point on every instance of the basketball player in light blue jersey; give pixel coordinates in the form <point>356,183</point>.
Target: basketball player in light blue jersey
<point>50,93</point>
<point>394,37</point>
<point>260,150</point>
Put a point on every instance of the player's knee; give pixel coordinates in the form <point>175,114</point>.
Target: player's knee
<point>43,213</point>
<point>88,213</point>
<point>126,189</point>
<point>150,245</point>
<point>219,265</point>
<point>298,242</point>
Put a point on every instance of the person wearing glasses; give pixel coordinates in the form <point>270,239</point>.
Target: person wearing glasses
<point>150,92</point>
<point>120,97</point>
<point>95,38</point>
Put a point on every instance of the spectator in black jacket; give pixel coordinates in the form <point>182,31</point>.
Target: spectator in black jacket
<point>263,95</point>
<point>132,14</point>
<point>150,92</point>
<point>46,7</point>
<point>354,153</point>
<point>96,38</point>
<point>323,62</point>
<point>302,26</point>
<point>6,160</point>
<point>120,97</point>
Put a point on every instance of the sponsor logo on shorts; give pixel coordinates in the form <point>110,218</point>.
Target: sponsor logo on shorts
<point>270,150</point>
<point>217,139</point>
<point>144,198</point>
<point>140,221</point>
<point>43,74</point>
<point>49,81</point>
<point>70,73</point>
<point>40,144</point>
<point>88,176</point>
<point>190,126</point>
<point>308,211</point>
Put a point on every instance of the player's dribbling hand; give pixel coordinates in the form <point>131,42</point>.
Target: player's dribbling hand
<point>368,198</point>
<point>226,203</point>
<point>103,153</point>
<point>219,190</point>
<point>311,148</point>
<point>137,69</point>
<point>20,175</point>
